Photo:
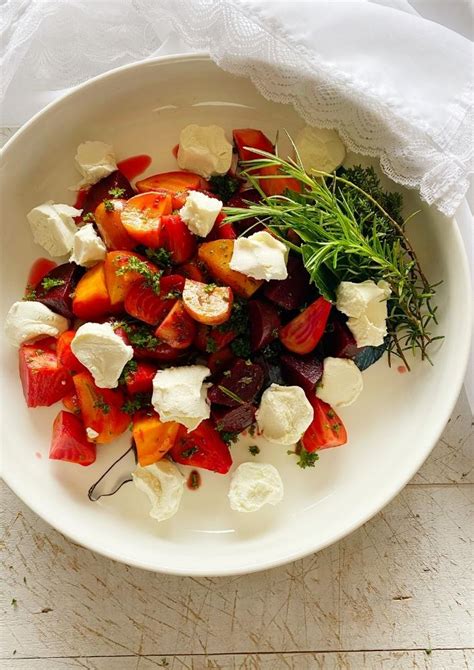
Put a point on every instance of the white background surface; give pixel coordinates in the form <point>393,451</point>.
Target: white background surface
<point>395,594</point>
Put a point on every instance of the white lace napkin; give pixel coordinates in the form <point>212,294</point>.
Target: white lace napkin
<point>394,85</point>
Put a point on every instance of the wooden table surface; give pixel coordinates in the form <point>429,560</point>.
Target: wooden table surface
<point>396,594</point>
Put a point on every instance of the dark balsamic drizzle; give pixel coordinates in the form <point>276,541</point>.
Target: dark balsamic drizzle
<point>91,493</point>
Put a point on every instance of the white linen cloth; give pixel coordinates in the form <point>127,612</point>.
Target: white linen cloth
<point>394,85</point>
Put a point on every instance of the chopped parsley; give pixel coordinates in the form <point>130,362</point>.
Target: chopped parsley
<point>129,367</point>
<point>211,344</point>
<point>306,459</point>
<point>102,405</point>
<point>14,602</point>
<point>187,453</point>
<point>117,192</point>
<point>272,351</point>
<point>224,186</point>
<point>30,293</point>
<point>228,437</point>
<point>210,288</point>
<point>134,264</point>
<point>109,205</point>
<point>51,282</point>
<point>89,218</point>
<point>161,257</point>
<point>132,405</point>
<point>140,336</point>
<point>254,450</point>
<point>175,293</point>
<point>239,324</point>
<point>241,346</point>
<point>252,430</point>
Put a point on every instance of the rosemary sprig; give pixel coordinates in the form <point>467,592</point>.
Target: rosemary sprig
<point>347,235</point>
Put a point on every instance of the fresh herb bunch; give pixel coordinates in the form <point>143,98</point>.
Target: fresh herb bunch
<point>348,235</point>
<point>224,186</point>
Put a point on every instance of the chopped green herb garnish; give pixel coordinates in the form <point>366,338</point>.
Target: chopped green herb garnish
<point>187,453</point>
<point>14,602</point>
<point>129,367</point>
<point>241,346</point>
<point>211,345</point>
<point>109,205</point>
<point>30,293</point>
<point>210,288</point>
<point>160,257</point>
<point>117,192</point>
<point>230,394</point>
<point>134,264</point>
<point>51,282</point>
<point>224,186</point>
<point>102,405</point>
<point>132,405</point>
<point>140,336</point>
<point>252,430</point>
<point>227,373</point>
<point>88,218</point>
<point>306,459</point>
<point>229,437</point>
<point>254,450</point>
<point>172,294</point>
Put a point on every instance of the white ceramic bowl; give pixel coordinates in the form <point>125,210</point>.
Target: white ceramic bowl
<point>392,427</point>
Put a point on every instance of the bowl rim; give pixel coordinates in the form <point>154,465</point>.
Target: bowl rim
<point>371,510</point>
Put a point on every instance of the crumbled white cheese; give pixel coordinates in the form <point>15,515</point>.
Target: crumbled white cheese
<point>53,227</point>
<point>28,320</point>
<point>94,160</point>
<point>87,248</point>
<point>341,383</point>
<point>260,256</point>
<point>179,394</point>
<point>163,483</point>
<point>254,485</point>
<point>320,149</point>
<point>365,304</point>
<point>284,414</point>
<point>91,434</point>
<point>204,150</point>
<point>200,212</point>
<point>102,352</point>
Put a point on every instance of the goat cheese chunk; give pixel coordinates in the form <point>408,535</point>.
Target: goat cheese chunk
<point>179,394</point>
<point>254,485</point>
<point>200,212</point>
<point>260,256</point>
<point>284,414</point>
<point>87,247</point>
<point>365,304</point>
<point>320,149</point>
<point>27,320</point>
<point>94,160</point>
<point>53,227</point>
<point>341,383</point>
<point>163,483</point>
<point>205,150</point>
<point>102,352</point>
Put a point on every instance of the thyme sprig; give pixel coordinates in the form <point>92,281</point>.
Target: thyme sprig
<point>347,235</point>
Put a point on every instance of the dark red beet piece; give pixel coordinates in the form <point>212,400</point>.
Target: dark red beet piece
<point>58,298</point>
<point>234,419</point>
<point>292,292</point>
<point>271,370</point>
<point>244,381</point>
<point>339,341</point>
<point>250,225</point>
<point>264,323</point>
<point>304,371</point>
<point>100,191</point>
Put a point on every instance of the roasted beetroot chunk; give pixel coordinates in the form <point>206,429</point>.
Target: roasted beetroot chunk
<point>243,380</point>
<point>304,371</point>
<point>292,292</point>
<point>338,341</point>
<point>101,191</point>
<point>264,323</point>
<point>234,419</point>
<point>250,225</point>
<point>57,287</point>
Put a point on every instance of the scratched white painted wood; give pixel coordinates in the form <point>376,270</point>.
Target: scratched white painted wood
<point>398,586</point>
<point>375,660</point>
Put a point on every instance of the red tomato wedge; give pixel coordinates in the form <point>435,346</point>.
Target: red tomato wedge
<point>69,441</point>
<point>141,217</point>
<point>172,181</point>
<point>202,448</point>
<point>153,439</point>
<point>140,380</point>
<point>178,239</point>
<point>302,334</point>
<point>101,409</point>
<point>144,304</point>
<point>43,379</point>
<point>177,329</point>
<point>65,356</point>
<point>326,429</point>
